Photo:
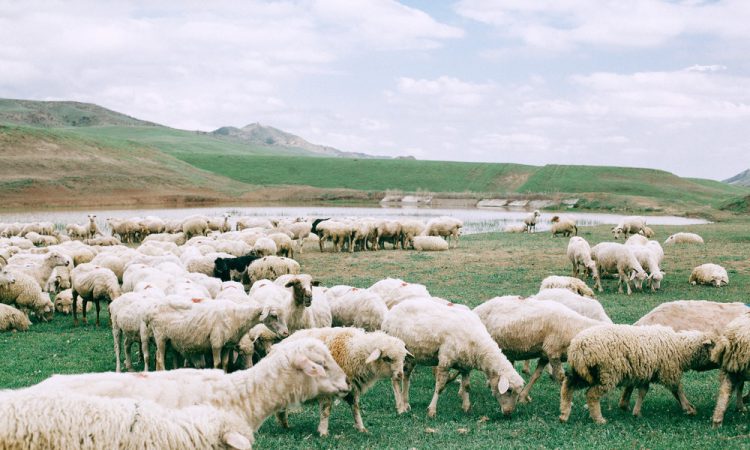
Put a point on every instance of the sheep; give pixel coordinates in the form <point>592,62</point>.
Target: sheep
<point>648,232</point>
<point>127,230</point>
<point>584,306</point>
<point>446,227</point>
<point>127,314</point>
<point>227,269</point>
<point>429,243</point>
<point>683,238</point>
<point>178,238</point>
<point>364,357</point>
<point>93,284</point>
<point>636,239</point>
<point>20,289</point>
<point>566,227</point>
<point>39,267</point>
<point>366,232</point>
<point>59,280</point>
<point>450,337</point>
<point>711,274</point>
<point>394,291</point>
<point>269,267</point>
<point>219,224</point>
<point>115,263</point>
<point>515,228</point>
<point>64,302</point>
<point>252,222</point>
<point>732,353</point>
<point>284,244</point>
<point>530,221</point>
<point>338,232</point>
<point>606,356</point>
<point>12,319</point>
<point>579,254</point>
<point>628,225</point>
<point>207,327</point>
<point>611,257</point>
<point>265,247</point>
<point>528,328</point>
<point>57,420</point>
<point>92,228</point>
<point>650,263</point>
<point>354,307</point>
<point>571,283</point>
<point>698,315</point>
<point>292,372</point>
<point>410,229</point>
<point>102,241</point>
<point>309,310</point>
<point>194,226</point>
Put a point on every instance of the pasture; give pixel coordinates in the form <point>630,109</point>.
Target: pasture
<point>482,267</point>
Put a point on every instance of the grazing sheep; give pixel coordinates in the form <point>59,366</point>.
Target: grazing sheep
<point>364,357</point>
<point>579,254</point>
<point>530,221</point>
<point>446,227</point>
<point>649,260</point>
<point>629,225</point>
<point>354,307</point>
<point>64,302</point>
<point>293,372</point>
<point>269,268</point>
<point>604,357</point>
<point>529,328</point>
<point>732,353</point>
<point>76,231</point>
<point>429,243</point>
<point>571,283</point>
<point>394,291</point>
<point>58,420</point>
<point>711,274</point>
<point>648,232</point>
<point>450,338</point>
<point>112,262</point>
<point>566,227</point>
<point>698,315</point>
<point>194,226</point>
<point>93,284</point>
<point>265,247</point>
<point>20,289</point>
<point>584,306</point>
<point>284,244</point>
<point>12,319</point>
<point>613,257</point>
<point>684,238</point>
<point>366,232</point>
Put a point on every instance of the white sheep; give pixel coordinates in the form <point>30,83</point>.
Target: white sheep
<point>429,243</point>
<point>698,315</point>
<point>573,284</point>
<point>64,421</point>
<point>565,226</point>
<point>629,225</point>
<point>39,267</point>
<point>364,357</point>
<point>194,226</point>
<point>579,254</point>
<point>684,238</point>
<point>446,227</point>
<point>515,228</point>
<point>530,220</point>
<point>20,289</point>
<point>732,353</point>
<point>636,239</point>
<point>284,245</point>
<point>613,257</point>
<point>12,319</point>
<point>648,232</point>
<point>450,337</point>
<point>711,274</point>
<point>604,357</point>
<point>270,268</point>
<point>649,260</point>
<point>584,306</point>
<point>311,308</point>
<point>355,307</point>
<point>92,284</point>
<point>59,280</point>
<point>409,229</point>
<point>265,246</point>
<point>394,291</point>
<point>338,232</point>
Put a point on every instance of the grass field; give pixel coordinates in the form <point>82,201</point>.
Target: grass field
<point>482,267</point>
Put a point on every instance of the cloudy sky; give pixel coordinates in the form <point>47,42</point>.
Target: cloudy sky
<point>645,83</point>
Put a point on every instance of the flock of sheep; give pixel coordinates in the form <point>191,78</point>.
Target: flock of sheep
<point>204,296</point>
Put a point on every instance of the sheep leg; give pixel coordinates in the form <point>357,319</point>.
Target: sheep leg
<point>679,394</point>
<point>325,413</point>
<point>283,418</point>
<point>725,392</point>
<point>144,348</point>
<point>97,303</point>
<point>557,371</point>
<point>75,308</point>
<point>738,392</point>
<point>441,379</point>
<point>128,347</point>
<point>160,351</point>
<point>397,394</point>
<point>463,391</point>
<point>593,400</point>
<point>524,396</point>
<point>409,365</point>
<point>116,338</point>
<point>642,391</point>
<point>625,398</point>
<point>526,367</point>
<point>566,399</point>
<point>353,400</point>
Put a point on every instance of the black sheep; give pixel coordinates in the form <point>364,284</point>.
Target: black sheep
<point>223,267</point>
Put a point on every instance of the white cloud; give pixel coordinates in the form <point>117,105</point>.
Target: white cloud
<point>447,93</point>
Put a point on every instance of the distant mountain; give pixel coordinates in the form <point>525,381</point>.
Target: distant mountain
<point>63,114</point>
<point>257,134</point>
<point>741,179</point>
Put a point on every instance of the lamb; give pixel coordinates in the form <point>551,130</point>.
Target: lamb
<point>57,420</point>
<point>446,227</point>
<point>611,257</point>
<point>698,315</point>
<point>64,302</point>
<point>684,238</point>
<point>93,284</point>
<point>429,243</point>
<point>270,268</point>
<point>649,260</point>
<point>450,337</point>
<point>364,357</point>
<point>265,247</point>
<point>566,227</point>
<point>530,221</point>
<point>292,372</point>
<point>354,307</point>
<point>227,269</point>
<point>394,291</point>
<point>629,225</point>
<point>604,357</point>
<point>12,319</point>
<point>579,254</point>
<point>528,328</point>
<point>711,274</point>
<point>20,289</point>
<point>284,244</point>
<point>732,353</point>
<point>571,283</point>
<point>584,306</point>
<point>194,226</point>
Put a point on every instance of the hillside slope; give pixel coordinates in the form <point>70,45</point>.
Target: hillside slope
<point>741,179</point>
<point>63,114</point>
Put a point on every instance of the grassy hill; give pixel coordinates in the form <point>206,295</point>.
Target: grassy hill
<point>741,179</point>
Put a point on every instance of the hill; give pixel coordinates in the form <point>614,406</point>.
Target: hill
<point>741,179</point>
<point>63,114</point>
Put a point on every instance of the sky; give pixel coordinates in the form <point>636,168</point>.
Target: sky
<point>640,83</point>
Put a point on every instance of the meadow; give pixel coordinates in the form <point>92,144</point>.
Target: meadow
<point>482,267</point>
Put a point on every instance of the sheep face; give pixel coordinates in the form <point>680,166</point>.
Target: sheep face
<point>504,394</point>
<point>389,359</point>
<point>302,292</point>
<point>57,259</point>
<point>221,269</point>
<point>6,278</point>
<point>719,280</point>
<point>655,280</point>
<point>617,232</point>
<point>273,320</point>
<point>320,373</point>
<point>638,277</point>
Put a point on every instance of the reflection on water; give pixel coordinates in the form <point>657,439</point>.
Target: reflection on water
<point>475,220</point>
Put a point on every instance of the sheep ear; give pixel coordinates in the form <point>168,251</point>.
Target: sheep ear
<point>410,354</point>
<point>289,284</point>
<point>632,275</point>
<point>373,356</point>
<point>264,313</point>
<point>237,441</point>
<point>310,368</point>
<point>503,385</point>
<point>315,283</point>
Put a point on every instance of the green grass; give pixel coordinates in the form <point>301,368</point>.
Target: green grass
<point>482,267</point>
